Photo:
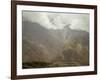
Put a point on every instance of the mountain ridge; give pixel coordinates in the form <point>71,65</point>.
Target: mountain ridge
<point>56,46</point>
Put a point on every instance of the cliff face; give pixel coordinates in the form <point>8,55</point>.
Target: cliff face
<point>61,46</point>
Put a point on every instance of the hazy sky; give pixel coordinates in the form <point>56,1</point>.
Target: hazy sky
<point>58,20</point>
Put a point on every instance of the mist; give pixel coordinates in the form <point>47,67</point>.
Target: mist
<point>51,20</point>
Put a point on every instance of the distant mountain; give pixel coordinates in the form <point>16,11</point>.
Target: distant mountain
<point>79,35</point>
<point>55,46</point>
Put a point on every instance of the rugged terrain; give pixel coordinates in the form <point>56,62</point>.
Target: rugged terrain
<point>42,47</point>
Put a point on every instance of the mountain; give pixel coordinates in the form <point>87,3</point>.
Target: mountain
<point>76,46</point>
<point>60,47</point>
<point>37,37</point>
<point>79,35</point>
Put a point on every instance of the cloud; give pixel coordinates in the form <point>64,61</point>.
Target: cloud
<point>58,20</point>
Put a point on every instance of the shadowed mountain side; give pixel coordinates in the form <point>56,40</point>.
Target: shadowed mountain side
<point>34,52</point>
<point>37,37</point>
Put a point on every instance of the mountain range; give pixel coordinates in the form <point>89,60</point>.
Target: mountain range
<point>57,46</point>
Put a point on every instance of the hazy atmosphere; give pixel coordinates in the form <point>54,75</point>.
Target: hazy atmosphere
<point>58,20</point>
<point>54,39</point>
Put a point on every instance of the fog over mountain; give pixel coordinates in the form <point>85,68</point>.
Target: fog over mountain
<point>53,20</point>
<point>54,39</point>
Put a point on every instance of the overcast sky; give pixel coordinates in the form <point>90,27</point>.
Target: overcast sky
<point>52,20</point>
